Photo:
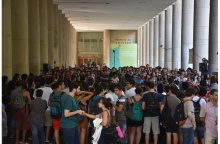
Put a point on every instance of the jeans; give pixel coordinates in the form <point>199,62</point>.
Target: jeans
<point>71,135</point>
<point>38,135</point>
<point>123,125</point>
<point>188,135</point>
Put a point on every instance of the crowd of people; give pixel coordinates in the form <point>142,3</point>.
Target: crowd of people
<point>31,104</point>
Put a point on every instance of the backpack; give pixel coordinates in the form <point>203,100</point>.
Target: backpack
<point>18,100</point>
<point>55,106</point>
<point>110,134</point>
<point>197,109</point>
<point>166,116</point>
<point>152,105</point>
<point>179,114</point>
<point>137,112</point>
<point>128,110</point>
<point>94,109</point>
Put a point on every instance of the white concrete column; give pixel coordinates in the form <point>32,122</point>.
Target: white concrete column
<point>168,36</point>
<point>20,51</point>
<point>34,36</point>
<point>43,32</point>
<point>176,51</point>
<point>156,40</point>
<point>144,55</point>
<point>106,47</point>
<point>213,37</point>
<point>50,19</point>
<point>56,35</point>
<point>139,47</point>
<point>147,43</point>
<point>143,45</point>
<point>161,38</point>
<point>187,31</point>
<point>60,37</point>
<point>201,32</point>
<point>6,39</point>
<point>75,51</point>
<point>151,43</point>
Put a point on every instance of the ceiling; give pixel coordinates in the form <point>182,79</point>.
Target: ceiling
<point>97,15</point>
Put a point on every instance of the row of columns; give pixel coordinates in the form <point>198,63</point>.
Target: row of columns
<point>186,24</point>
<point>35,32</point>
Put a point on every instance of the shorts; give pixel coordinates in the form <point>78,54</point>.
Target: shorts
<point>210,139</point>
<point>154,121</point>
<point>199,131</point>
<point>48,120</point>
<point>172,127</point>
<point>56,124</point>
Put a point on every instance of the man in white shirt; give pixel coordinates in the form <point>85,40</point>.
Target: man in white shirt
<point>130,88</point>
<point>46,95</point>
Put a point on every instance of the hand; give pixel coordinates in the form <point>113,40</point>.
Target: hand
<point>194,126</point>
<point>79,112</point>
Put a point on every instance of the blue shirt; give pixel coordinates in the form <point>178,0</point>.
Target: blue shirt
<point>3,108</point>
<point>94,98</point>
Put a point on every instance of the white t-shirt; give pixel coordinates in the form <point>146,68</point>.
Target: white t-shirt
<point>130,92</point>
<point>114,99</point>
<point>202,101</point>
<point>46,94</point>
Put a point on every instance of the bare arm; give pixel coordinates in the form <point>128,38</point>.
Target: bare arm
<point>89,95</point>
<point>119,108</point>
<point>90,115</point>
<point>143,105</point>
<point>161,108</point>
<point>67,113</point>
<point>191,117</point>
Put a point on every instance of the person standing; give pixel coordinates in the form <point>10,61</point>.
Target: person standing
<point>46,95</point>
<point>172,102</point>
<point>151,105</point>
<point>208,114</point>
<point>190,125</point>
<point>37,118</point>
<point>70,114</point>
<point>120,116</point>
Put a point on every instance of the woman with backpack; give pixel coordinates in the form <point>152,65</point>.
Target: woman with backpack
<point>21,112</point>
<point>136,121</point>
<point>105,105</point>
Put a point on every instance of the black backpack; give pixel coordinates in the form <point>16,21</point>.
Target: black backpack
<point>55,106</point>
<point>152,105</point>
<point>110,134</point>
<point>166,115</point>
<point>179,115</point>
<point>94,109</point>
<point>197,109</point>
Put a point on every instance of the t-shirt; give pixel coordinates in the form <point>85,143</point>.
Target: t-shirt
<point>130,92</point>
<point>172,102</point>
<point>46,94</point>
<point>145,99</point>
<point>188,107</point>
<point>69,103</point>
<point>38,107</point>
<point>201,102</point>
<point>121,115</point>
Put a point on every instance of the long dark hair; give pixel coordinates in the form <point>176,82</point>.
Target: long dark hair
<point>106,102</point>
